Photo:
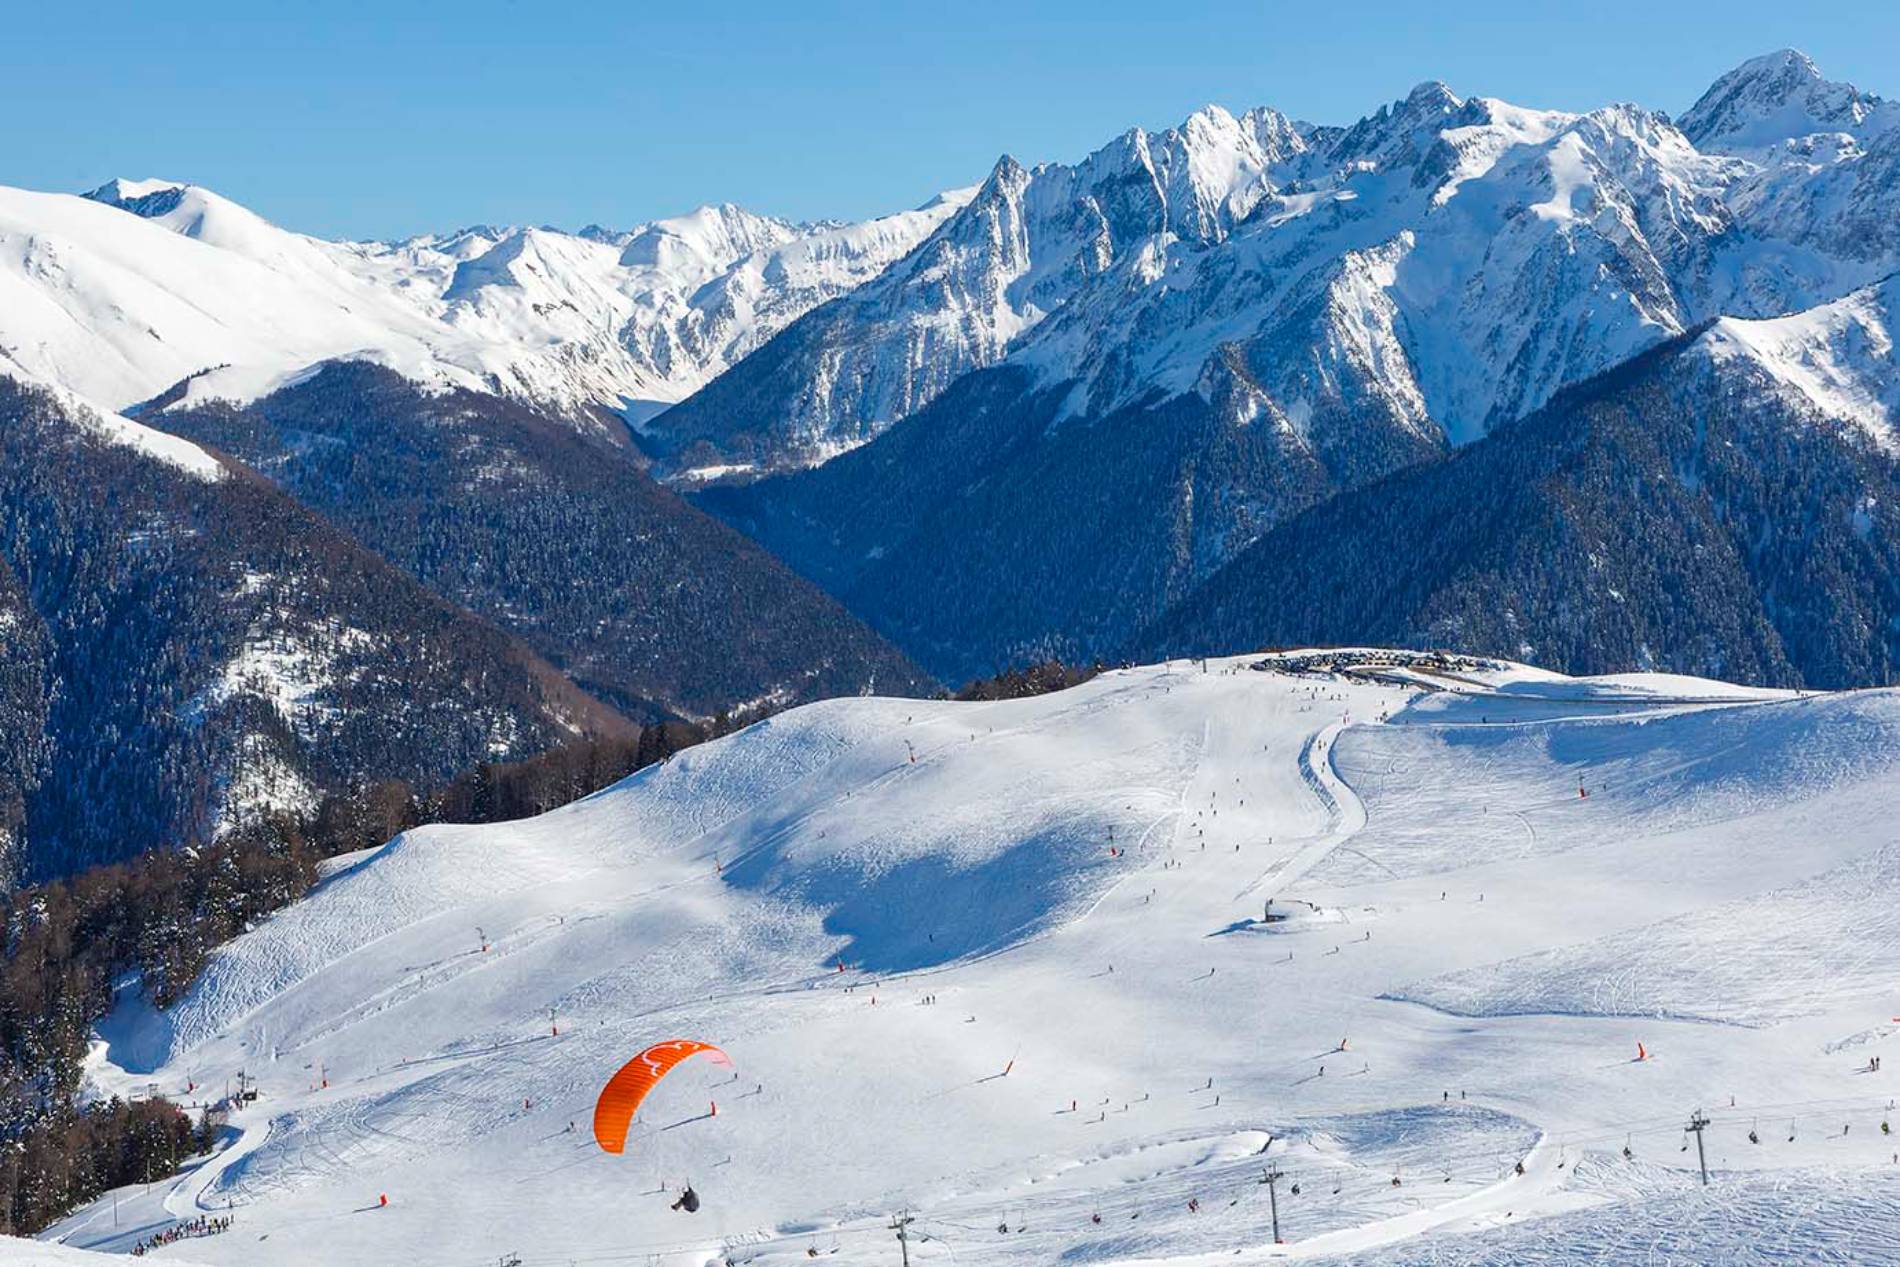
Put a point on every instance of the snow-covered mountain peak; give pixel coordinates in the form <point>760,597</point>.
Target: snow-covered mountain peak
<point>140,197</point>
<point>539,259</point>
<point>1838,356</point>
<point>1006,173</point>
<point>706,240</point>
<point>1400,131</point>
<point>1279,137</point>
<point>143,284</point>
<point>1778,97</point>
<point>1210,121</point>
<point>196,212</point>
<point>1431,96</point>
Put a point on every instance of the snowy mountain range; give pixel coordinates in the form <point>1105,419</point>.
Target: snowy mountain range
<point>1450,261</point>
<point>1445,263</point>
<point>142,285</point>
<point>1069,410</point>
<point>471,474</point>
<point>1399,289</point>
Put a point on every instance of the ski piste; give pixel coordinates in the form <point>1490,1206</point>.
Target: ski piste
<point>1069,1026</point>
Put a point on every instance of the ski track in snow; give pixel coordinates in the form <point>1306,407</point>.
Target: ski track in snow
<point>1465,951</point>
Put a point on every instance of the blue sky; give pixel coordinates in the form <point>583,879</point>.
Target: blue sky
<point>383,119</point>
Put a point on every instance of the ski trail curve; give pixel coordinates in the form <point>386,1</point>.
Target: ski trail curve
<point>1347,811</point>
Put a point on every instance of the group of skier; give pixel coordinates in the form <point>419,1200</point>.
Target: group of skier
<point>203,1225</point>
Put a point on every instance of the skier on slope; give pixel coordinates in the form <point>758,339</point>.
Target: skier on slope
<point>689,1201</point>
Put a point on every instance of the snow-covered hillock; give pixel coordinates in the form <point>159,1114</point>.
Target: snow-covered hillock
<point>994,963</point>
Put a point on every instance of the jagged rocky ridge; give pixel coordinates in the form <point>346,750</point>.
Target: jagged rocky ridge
<point>1459,258</point>
<point>1392,290</point>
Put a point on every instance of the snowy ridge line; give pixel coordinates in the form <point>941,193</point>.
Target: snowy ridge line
<point>133,290</point>
<point>1392,255</point>
<point>1422,277</point>
<point>116,429</point>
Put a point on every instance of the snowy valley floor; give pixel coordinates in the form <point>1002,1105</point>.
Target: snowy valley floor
<point>1061,1017</point>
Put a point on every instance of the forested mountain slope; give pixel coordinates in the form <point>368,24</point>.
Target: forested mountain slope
<point>556,536</point>
<point>186,647</point>
<point>987,530</point>
<point>1725,503</point>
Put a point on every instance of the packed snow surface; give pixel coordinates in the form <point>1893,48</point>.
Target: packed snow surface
<point>1063,977</point>
<point>17,1252</point>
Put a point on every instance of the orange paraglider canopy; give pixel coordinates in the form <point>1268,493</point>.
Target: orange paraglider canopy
<point>621,1097</point>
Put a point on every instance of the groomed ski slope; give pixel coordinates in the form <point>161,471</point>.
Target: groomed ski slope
<point>1059,1002</point>
<point>19,1252</point>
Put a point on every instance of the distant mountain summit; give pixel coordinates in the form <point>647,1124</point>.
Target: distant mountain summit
<point>1358,301</point>
<point>1780,97</point>
<point>1022,247</point>
<point>1602,389</point>
<point>581,324</point>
